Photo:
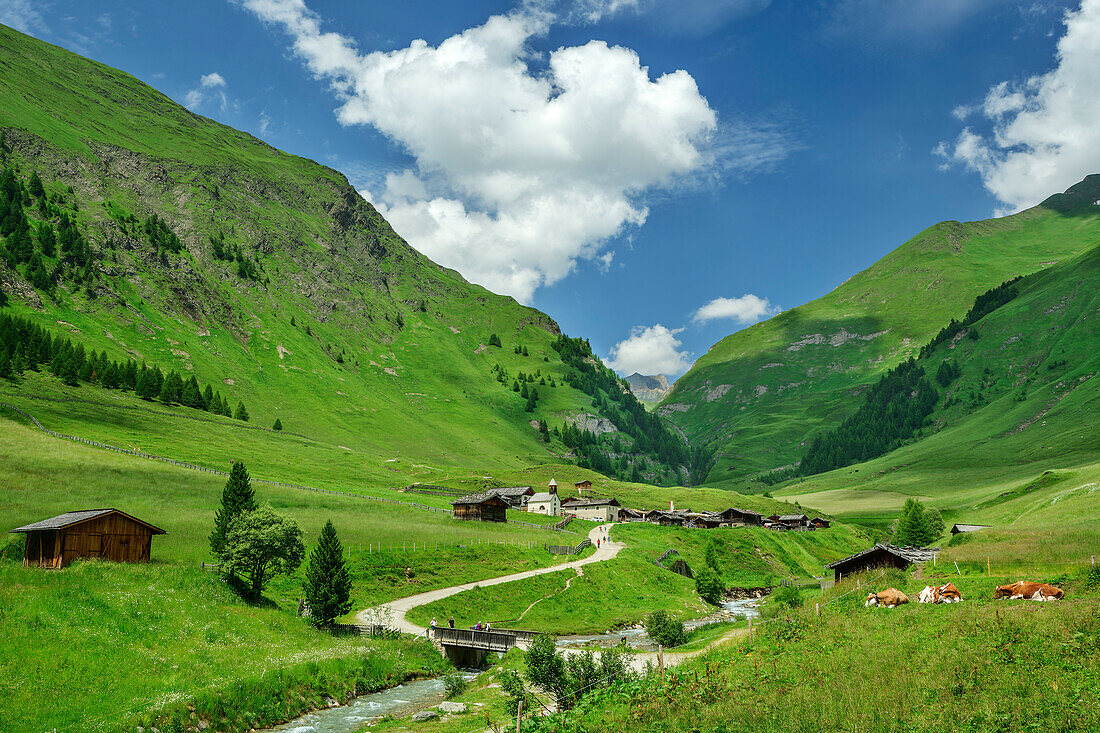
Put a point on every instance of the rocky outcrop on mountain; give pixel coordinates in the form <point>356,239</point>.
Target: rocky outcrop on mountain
<point>649,388</point>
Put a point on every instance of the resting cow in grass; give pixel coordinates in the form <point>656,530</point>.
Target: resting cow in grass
<point>888,598</point>
<point>940,594</point>
<point>1028,589</point>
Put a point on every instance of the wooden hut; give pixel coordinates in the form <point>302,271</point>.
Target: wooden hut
<point>104,533</point>
<point>486,507</point>
<point>819,523</point>
<point>879,556</point>
<point>734,516</point>
<point>626,514</point>
<point>960,528</point>
<point>515,496</point>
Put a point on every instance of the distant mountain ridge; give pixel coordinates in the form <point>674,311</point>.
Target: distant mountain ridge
<point>760,395</point>
<point>649,388</point>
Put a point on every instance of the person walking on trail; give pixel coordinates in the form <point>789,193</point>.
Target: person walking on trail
<point>488,626</point>
<point>433,623</point>
<point>452,622</point>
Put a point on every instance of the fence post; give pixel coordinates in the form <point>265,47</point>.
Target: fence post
<point>817,608</point>
<point>661,661</point>
<point>519,714</point>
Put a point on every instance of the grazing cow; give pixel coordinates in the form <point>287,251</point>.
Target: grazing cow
<point>940,594</point>
<point>888,598</point>
<point>1028,589</point>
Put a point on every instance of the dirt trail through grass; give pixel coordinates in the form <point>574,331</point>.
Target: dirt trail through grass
<point>399,608</point>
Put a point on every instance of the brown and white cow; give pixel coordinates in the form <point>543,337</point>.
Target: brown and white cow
<point>888,598</point>
<point>1028,589</point>
<point>940,594</point>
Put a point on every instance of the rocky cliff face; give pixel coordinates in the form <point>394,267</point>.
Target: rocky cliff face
<point>649,388</point>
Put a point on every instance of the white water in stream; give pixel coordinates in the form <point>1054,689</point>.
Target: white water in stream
<point>405,699</point>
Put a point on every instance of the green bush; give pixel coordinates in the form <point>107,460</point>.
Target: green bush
<point>789,596</point>
<point>960,539</point>
<point>454,684</point>
<point>709,586</point>
<point>665,630</point>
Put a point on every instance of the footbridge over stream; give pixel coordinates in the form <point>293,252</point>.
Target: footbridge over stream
<point>470,647</point>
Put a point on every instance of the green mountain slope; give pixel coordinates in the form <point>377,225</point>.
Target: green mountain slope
<point>263,273</point>
<point>1013,437</point>
<point>760,395</point>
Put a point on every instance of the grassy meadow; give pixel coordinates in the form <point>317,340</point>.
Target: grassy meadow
<point>980,665</point>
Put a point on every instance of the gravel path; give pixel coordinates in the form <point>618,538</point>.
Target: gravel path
<point>399,608</point>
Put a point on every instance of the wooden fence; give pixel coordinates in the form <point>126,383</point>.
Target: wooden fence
<point>567,550</point>
<point>269,482</point>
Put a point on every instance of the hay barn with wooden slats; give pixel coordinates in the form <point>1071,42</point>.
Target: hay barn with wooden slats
<point>92,533</point>
<point>882,555</point>
<point>481,507</point>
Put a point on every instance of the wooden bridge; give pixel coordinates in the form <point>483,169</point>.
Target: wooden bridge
<point>470,647</point>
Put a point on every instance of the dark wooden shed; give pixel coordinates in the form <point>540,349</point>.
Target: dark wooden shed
<point>881,555</point>
<point>104,533</point>
<point>819,523</point>
<point>733,515</point>
<point>481,507</point>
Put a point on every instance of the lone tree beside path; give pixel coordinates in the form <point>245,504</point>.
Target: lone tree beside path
<point>262,543</point>
<point>327,587</point>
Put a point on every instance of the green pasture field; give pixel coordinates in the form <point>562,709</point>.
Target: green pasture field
<point>980,665</point>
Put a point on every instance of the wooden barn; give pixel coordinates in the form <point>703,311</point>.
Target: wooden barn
<point>819,523</point>
<point>481,507</point>
<point>734,516</point>
<point>104,533</point>
<point>881,555</point>
<point>515,496</point>
<point>960,528</point>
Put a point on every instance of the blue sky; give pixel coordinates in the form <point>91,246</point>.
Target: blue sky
<point>705,165</point>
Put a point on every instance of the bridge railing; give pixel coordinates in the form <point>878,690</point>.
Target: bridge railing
<point>492,640</point>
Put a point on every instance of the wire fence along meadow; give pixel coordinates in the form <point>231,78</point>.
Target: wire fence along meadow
<point>269,482</point>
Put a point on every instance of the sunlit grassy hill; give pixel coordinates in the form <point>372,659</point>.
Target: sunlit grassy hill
<point>761,394</point>
<point>288,290</point>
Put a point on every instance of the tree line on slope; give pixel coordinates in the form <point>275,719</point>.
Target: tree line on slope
<point>27,346</point>
<point>896,406</point>
<point>612,398</point>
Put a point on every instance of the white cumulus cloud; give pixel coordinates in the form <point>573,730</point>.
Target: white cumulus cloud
<point>1045,134</point>
<point>519,172</point>
<point>211,86</point>
<point>209,81</point>
<point>650,350</point>
<point>746,309</point>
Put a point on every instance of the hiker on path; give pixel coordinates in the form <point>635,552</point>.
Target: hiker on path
<point>433,623</point>
<point>452,622</point>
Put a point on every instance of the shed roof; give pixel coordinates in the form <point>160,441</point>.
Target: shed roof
<point>735,510</point>
<point>591,502</point>
<point>792,518</point>
<point>68,519</point>
<point>955,529</point>
<point>912,554</point>
<point>542,496</point>
<point>486,498</point>
<point>512,491</point>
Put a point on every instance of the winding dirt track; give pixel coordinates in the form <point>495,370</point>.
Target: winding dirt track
<point>399,608</point>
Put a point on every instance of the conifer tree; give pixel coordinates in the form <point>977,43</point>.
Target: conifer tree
<point>913,527</point>
<point>327,587</point>
<point>278,424</point>
<point>237,499</point>
<point>208,398</point>
<point>35,187</point>
<point>241,413</point>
